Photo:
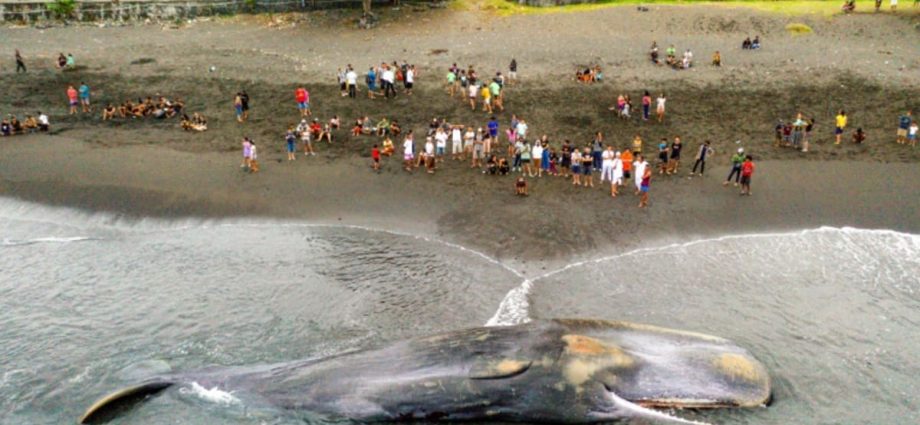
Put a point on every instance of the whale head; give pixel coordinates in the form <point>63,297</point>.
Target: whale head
<point>643,367</point>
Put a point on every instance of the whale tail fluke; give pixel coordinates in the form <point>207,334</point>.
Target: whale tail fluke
<point>109,406</point>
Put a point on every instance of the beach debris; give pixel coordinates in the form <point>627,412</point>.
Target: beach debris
<point>797,28</point>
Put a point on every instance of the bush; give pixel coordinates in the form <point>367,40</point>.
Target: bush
<point>796,29</point>
<point>62,9</point>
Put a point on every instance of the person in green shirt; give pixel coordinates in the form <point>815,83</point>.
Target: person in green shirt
<point>383,127</point>
<point>451,83</point>
<point>496,90</point>
<point>737,160</point>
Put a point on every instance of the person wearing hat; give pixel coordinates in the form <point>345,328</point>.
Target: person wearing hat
<point>737,160</point>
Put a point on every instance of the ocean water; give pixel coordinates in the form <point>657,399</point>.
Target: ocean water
<point>91,302</point>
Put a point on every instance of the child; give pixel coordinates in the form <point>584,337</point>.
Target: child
<point>520,187</point>
<point>747,170</point>
<point>253,158</point>
<point>646,180</point>
<point>912,134</point>
<point>291,141</point>
<point>375,156</point>
<point>388,147</point>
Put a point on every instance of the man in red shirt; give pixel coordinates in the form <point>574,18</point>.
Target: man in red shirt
<point>747,170</point>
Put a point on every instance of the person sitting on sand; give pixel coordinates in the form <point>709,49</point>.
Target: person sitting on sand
<point>5,128</point>
<point>756,43</point>
<point>185,123</point>
<point>746,44</point>
<point>71,62</point>
<point>848,6</point>
<point>491,165</point>
<point>388,148</point>
<point>653,54</point>
<point>395,128</point>
<point>717,59</point>
<point>503,168</point>
<point>30,124</point>
<point>44,124</point>
<point>315,129</point>
<point>335,122</point>
<point>859,136</point>
<point>199,122</point>
<point>61,61</point>
<point>356,130</point>
<point>16,125</point>
<point>520,187</point>
<point>383,127</point>
<point>108,112</point>
<point>326,133</point>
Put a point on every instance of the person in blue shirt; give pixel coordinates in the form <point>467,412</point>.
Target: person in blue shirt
<point>903,125</point>
<point>84,97</point>
<point>371,82</point>
<point>493,128</point>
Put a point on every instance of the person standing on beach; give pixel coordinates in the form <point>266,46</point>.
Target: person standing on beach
<point>808,129</point>
<point>302,96</point>
<point>674,161</point>
<point>607,165</point>
<point>587,160</point>
<point>410,79</point>
<point>627,158</point>
<point>747,170</point>
<point>701,155</point>
<point>253,158</point>
<point>644,183</point>
<point>912,134</point>
<point>663,156</point>
<point>238,107</point>
<point>737,160</point>
<point>408,151</point>
<point>512,71</point>
<point>84,97</point>
<point>375,157</point>
<point>291,143</point>
<point>247,153</point>
<point>659,108</point>
<point>646,105</point>
<point>20,64</point>
<point>72,99</point>
<point>841,124</point>
<point>351,80</point>
<point>640,166</point>
<point>597,148</point>
<point>903,127</point>
<point>389,81</point>
<point>371,81</point>
<point>617,180</point>
<point>244,104</point>
<point>306,138</point>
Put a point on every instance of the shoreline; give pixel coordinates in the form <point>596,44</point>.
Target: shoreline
<point>557,224</point>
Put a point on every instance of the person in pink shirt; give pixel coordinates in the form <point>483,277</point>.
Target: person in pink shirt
<point>72,98</point>
<point>303,101</point>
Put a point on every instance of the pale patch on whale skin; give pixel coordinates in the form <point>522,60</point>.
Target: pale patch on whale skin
<point>587,356</point>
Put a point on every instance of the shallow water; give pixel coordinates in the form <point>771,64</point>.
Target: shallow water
<point>89,302</point>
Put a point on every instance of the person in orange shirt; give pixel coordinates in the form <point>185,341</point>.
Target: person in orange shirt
<point>627,158</point>
<point>72,99</point>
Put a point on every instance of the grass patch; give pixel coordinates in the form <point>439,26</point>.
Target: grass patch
<point>798,29</point>
<point>787,7</point>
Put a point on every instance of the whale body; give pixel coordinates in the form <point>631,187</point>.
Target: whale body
<point>562,370</point>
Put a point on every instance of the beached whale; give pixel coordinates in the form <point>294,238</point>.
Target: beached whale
<point>564,370</point>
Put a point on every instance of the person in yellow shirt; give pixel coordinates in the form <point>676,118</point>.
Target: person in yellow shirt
<point>841,121</point>
<point>486,98</point>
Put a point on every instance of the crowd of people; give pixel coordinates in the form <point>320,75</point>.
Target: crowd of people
<point>685,61</point>
<point>11,126</point>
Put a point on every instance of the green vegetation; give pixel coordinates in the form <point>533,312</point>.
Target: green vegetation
<point>789,7</point>
<point>62,9</point>
<point>798,29</point>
